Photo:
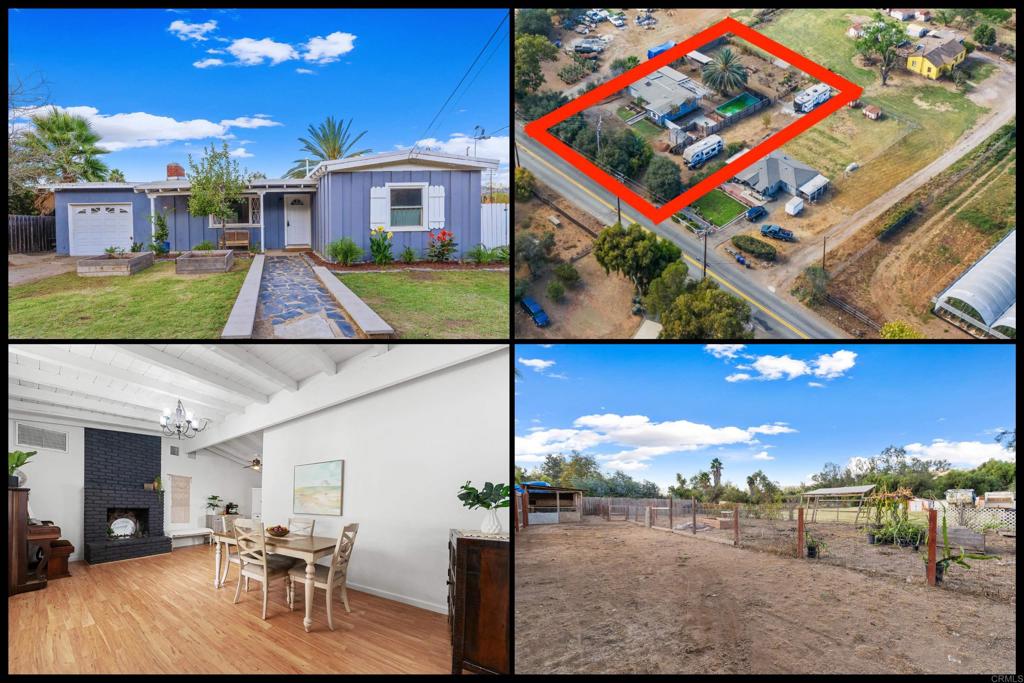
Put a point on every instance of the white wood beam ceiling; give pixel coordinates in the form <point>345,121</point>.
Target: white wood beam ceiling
<point>44,413</point>
<point>320,356</point>
<point>217,383</point>
<point>240,358</point>
<point>151,415</point>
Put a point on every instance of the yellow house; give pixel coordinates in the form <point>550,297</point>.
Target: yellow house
<point>936,57</point>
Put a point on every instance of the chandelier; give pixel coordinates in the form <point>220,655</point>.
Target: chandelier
<point>181,423</point>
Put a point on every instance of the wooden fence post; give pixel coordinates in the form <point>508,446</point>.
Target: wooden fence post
<point>693,509</point>
<point>670,513</point>
<point>650,516</point>
<point>800,531</point>
<point>515,510</point>
<point>736,524</point>
<point>931,546</point>
<point>526,509</point>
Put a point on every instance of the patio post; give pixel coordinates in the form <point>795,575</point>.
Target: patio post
<point>263,245</point>
<point>152,213</point>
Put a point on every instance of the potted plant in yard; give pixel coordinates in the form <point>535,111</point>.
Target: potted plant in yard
<point>213,502</point>
<point>16,459</point>
<point>814,545</point>
<point>161,234</point>
<point>491,497</point>
<point>948,557</point>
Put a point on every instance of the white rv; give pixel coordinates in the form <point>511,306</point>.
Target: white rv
<point>702,150</point>
<point>812,97</point>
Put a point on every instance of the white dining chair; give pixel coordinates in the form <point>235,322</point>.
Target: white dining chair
<point>256,564</point>
<point>331,577</point>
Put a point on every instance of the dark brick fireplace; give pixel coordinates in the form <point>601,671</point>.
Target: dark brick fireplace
<point>117,465</point>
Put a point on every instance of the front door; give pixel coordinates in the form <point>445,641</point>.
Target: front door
<point>296,220</point>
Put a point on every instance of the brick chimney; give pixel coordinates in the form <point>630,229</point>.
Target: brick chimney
<point>175,172</point>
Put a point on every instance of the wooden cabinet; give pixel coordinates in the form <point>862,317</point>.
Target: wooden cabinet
<point>479,602</point>
<point>28,547</point>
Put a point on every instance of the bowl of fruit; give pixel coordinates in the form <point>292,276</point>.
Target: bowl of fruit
<point>277,530</point>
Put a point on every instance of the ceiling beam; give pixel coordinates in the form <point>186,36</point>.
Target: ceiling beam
<point>239,450</point>
<point>250,362</point>
<point>93,389</point>
<point>151,415</point>
<point>47,413</point>
<point>193,372</point>
<point>326,363</point>
<point>68,359</point>
<point>213,450</point>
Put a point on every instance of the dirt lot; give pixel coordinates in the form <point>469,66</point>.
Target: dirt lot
<point>646,601</point>
<point>600,307</point>
<point>25,268</point>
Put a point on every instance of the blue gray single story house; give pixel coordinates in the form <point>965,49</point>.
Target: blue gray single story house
<point>408,192</point>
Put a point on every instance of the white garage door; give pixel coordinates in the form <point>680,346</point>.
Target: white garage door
<point>94,227</point>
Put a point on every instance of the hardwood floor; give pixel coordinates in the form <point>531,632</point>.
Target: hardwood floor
<point>161,614</point>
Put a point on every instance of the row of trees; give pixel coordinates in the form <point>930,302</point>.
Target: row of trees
<point>582,472</point>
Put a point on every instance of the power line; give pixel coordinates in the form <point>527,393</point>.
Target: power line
<point>459,84</point>
<point>483,66</point>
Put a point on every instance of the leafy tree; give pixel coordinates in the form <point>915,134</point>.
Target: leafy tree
<point>1008,437</point>
<point>663,179</point>
<point>880,39</point>
<point>116,175</point>
<point>69,146</point>
<point>945,16</point>
<point>725,72</point>
<point>533,22</point>
<point>215,184</point>
<point>624,152</point>
<point>556,290</point>
<point>960,80</point>
<point>530,52</point>
<point>524,184</point>
<point>552,468</point>
<point>984,35</point>
<point>21,201</point>
<point>666,288</point>
<point>568,275</point>
<point>520,475</point>
<point>706,312</point>
<point>716,471</point>
<point>635,253</point>
<point>680,489</point>
<point>898,329</point>
<point>968,17</point>
<point>535,105</point>
<point>623,64</point>
<point>532,251</point>
<point>329,141</point>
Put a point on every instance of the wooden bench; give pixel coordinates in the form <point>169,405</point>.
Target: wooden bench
<point>187,533</point>
<point>236,238</point>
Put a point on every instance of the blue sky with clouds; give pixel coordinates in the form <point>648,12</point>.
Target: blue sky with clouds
<point>654,410</point>
<point>159,84</point>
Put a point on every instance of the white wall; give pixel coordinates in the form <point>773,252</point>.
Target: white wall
<point>407,449</point>
<point>211,474</point>
<point>56,481</point>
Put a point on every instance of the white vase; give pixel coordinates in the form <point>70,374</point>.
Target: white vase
<point>491,523</point>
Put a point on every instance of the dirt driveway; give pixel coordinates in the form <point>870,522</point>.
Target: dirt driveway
<point>614,597</point>
<point>24,268</point>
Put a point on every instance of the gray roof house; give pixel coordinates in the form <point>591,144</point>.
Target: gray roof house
<point>780,171</point>
<point>409,192</point>
<point>668,94</point>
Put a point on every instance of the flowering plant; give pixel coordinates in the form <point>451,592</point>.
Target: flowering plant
<point>441,246</point>
<point>380,245</point>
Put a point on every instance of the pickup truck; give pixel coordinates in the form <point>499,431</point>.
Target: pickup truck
<point>778,233</point>
<point>755,212</point>
<point>540,318</point>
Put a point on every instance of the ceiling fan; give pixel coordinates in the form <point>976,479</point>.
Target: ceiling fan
<point>255,465</point>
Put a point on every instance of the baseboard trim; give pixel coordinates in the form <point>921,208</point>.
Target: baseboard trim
<point>422,604</point>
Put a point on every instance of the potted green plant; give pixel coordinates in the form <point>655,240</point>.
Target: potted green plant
<point>814,545</point>
<point>16,459</point>
<point>491,498</point>
<point>948,557</point>
<point>230,508</point>
<point>213,502</point>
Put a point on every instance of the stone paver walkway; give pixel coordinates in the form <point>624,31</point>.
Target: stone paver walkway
<point>294,305</point>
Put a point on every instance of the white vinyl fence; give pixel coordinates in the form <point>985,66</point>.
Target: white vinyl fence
<point>494,225</point>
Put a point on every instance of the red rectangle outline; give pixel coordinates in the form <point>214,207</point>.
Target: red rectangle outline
<point>538,129</point>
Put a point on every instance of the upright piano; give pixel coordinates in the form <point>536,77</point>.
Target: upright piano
<point>28,545</point>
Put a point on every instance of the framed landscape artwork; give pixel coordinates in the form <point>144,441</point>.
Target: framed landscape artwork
<point>318,488</point>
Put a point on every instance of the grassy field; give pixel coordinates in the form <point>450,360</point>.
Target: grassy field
<point>718,207</point>
<point>153,304</point>
<point>441,304</point>
<point>993,212</point>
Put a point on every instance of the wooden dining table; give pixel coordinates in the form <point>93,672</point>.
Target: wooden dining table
<point>306,548</point>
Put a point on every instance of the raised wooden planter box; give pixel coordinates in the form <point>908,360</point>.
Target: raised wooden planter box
<point>718,522</point>
<point>204,262</point>
<point>103,266</point>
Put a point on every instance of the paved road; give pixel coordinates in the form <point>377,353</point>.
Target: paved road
<point>773,317</point>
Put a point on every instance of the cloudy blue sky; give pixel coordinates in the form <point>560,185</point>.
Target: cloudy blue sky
<point>160,84</point>
<point>655,410</point>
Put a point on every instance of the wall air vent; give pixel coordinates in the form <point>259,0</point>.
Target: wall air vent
<point>37,437</point>
<point>174,450</point>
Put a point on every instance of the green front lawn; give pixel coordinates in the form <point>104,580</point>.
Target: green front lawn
<point>438,304</point>
<point>718,207</point>
<point>153,304</point>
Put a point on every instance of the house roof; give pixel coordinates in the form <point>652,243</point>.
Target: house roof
<point>872,109</point>
<point>666,89</point>
<point>941,51</point>
<point>840,490</point>
<point>424,158</point>
<point>775,167</point>
<point>88,186</point>
<point>163,186</point>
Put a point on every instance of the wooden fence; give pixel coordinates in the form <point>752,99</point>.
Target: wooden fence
<point>26,234</point>
<point>494,225</point>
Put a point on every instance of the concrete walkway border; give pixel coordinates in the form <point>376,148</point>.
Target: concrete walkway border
<point>243,313</point>
<point>365,318</point>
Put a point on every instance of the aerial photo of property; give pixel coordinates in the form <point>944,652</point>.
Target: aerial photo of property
<point>796,515</point>
<point>769,174</point>
<point>258,174</point>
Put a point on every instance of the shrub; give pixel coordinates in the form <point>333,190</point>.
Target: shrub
<point>524,184</point>
<point>441,246</point>
<point>254,247</point>
<point>898,329</point>
<point>344,251</point>
<point>556,290</point>
<point>567,274</point>
<point>521,287</point>
<point>896,219</point>
<point>813,285</point>
<point>532,252</point>
<point>380,245</point>
<point>160,234</point>
<point>407,255</point>
<point>136,247</point>
<point>114,251</point>
<point>500,254</point>
<point>205,245</point>
<point>754,247</point>
<point>479,254</point>
<point>734,147</point>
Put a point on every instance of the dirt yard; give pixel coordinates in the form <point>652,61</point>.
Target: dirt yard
<point>25,268</point>
<point>613,597</point>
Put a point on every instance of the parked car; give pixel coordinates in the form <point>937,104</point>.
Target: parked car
<point>618,21</point>
<point>756,212</point>
<point>581,29</point>
<point>533,309</point>
<point>776,232</point>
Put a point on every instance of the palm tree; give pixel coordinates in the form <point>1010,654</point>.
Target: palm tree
<point>716,471</point>
<point>704,480</point>
<point>725,73</point>
<point>69,142</point>
<point>328,141</point>
<point>116,175</point>
<point>752,485</point>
